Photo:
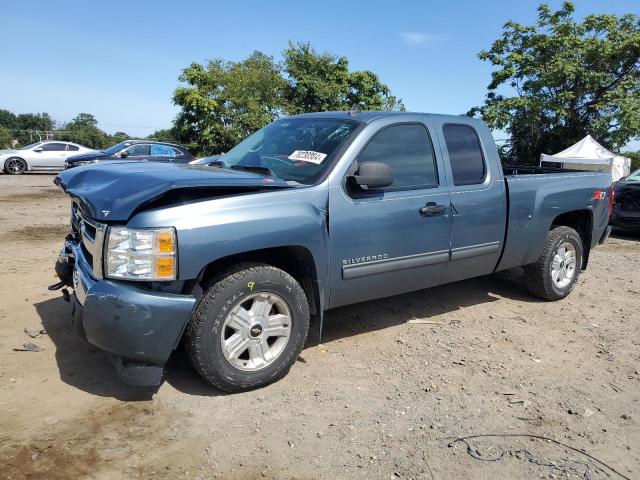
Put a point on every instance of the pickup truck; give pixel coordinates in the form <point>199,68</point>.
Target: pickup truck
<point>312,212</point>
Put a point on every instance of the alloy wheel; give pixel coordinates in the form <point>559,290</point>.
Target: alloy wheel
<point>15,165</point>
<point>563,265</point>
<point>256,331</point>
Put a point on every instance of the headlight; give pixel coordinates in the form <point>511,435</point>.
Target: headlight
<point>136,254</point>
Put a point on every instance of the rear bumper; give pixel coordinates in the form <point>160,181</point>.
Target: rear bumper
<point>626,223</point>
<point>138,326</point>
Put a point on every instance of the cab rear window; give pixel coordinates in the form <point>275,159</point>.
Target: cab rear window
<point>465,154</point>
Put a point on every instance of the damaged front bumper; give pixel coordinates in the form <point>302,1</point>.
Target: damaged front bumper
<point>137,326</point>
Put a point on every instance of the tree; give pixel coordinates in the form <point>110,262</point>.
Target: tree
<point>635,160</point>
<point>164,134</point>
<point>6,137</point>
<point>118,137</point>
<point>223,102</point>
<point>7,119</point>
<point>34,121</point>
<point>83,130</point>
<point>570,79</point>
<point>320,82</point>
<point>85,119</point>
<point>30,127</point>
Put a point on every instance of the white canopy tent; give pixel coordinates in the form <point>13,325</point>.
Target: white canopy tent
<point>588,154</point>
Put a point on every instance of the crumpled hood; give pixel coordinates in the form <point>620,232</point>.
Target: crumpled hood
<point>112,191</point>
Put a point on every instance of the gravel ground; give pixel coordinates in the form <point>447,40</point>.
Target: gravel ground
<point>378,398</point>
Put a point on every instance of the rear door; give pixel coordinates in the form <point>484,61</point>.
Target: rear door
<point>478,209</point>
<point>162,153</point>
<point>383,242</point>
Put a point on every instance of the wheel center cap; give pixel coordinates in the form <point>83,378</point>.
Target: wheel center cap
<point>256,330</point>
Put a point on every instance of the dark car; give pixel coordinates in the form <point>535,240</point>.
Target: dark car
<point>626,203</point>
<point>135,150</point>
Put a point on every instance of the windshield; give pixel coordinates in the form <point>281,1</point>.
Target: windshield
<point>116,148</point>
<point>298,149</point>
<point>634,177</point>
<point>31,145</point>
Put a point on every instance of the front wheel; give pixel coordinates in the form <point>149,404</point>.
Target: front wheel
<point>556,272</point>
<point>15,166</point>
<point>249,328</point>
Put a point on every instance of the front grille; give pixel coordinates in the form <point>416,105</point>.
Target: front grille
<point>90,234</point>
<point>75,221</point>
<point>87,255</point>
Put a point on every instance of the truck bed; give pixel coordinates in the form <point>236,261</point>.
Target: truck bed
<point>537,196</point>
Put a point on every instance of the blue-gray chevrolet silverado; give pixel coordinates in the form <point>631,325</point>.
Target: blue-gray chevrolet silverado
<point>310,213</point>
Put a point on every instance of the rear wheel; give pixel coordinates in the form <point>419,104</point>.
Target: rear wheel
<point>248,328</point>
<point>556,272</point>
<point>15,166</point>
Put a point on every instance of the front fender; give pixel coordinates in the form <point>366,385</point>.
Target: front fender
<point>213,229</point>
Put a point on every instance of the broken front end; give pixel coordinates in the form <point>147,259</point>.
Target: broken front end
<point>117,306</point>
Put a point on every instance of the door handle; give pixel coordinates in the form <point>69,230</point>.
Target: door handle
<point>432,209</point>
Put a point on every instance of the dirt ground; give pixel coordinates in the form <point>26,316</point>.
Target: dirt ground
<point>378,398</point>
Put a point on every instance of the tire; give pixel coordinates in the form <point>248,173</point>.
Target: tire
<point>545,279</point>
<point>15,166</point>
<point>222,315</point>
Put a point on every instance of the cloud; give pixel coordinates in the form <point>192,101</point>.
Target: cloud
<point>414,39</point>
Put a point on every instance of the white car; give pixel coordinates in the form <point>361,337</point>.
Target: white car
<point>46,156</point>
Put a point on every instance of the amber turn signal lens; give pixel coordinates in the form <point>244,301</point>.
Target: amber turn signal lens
<point>166,242</point>
<point>165,267</point>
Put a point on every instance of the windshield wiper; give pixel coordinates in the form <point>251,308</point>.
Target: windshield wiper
<point>253,168</point>
<point>247,168</point>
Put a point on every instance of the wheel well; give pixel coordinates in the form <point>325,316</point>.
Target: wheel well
<point>582,222</point>
<point>297,261</point>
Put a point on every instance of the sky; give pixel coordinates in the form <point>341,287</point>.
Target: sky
<point>120,60</point>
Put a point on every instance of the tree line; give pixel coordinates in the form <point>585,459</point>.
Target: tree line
<point>554,82</point>
<point>26,128</point>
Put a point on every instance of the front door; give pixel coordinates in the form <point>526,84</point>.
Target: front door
<point>396,239</point>
<point>53,155</point>
<point>139,152</point>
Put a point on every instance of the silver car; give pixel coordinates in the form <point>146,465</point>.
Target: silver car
<point>44,156</point>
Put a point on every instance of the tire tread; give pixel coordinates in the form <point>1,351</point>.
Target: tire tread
<point>196,327</point>
<point>539,281</point>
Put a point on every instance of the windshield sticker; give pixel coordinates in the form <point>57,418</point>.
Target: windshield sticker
<point>308,156</point>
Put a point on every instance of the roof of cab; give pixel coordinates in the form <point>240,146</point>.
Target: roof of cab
<point>367,116</point>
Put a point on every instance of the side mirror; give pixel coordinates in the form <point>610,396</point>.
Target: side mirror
<point>372,175</point>
<point>37,149</point>
<point>123,154</point>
